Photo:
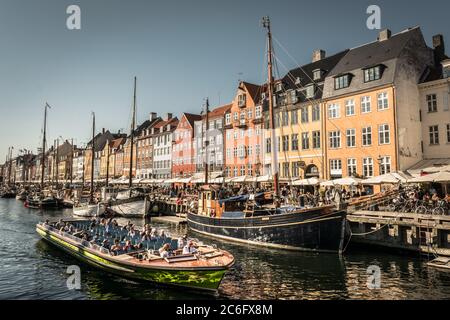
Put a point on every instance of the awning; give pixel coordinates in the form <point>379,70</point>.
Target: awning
<point>307,182</point>
<point>430,166</point>
<point>439,177</point>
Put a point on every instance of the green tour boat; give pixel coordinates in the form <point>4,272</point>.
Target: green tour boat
<point>139,259</point>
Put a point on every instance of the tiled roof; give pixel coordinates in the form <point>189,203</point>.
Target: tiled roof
<point>191,118</point>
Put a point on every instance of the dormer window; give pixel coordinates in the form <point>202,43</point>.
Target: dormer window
<point>279,87</point>
<point>263,96</point>
<point>310,91</point>
<point>317,74</point>
<point>293,96</point>
<point>446,69</point>
<point>342,81</point>
<point>372,73</point>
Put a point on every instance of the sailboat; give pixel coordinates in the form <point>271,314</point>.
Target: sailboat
<point>89,209</point>
<point>130,202</point>
<point>43,199</point>
<point>259,219</point>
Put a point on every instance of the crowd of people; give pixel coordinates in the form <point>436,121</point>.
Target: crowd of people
<point>127,237</point>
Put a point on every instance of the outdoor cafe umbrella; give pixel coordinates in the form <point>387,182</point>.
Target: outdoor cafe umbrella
<point>307,182</point>
<point>392,177</point>
<point>349,181</point>
<point>439,177</point>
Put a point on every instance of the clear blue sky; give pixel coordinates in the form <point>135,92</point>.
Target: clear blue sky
<point>181,51</point>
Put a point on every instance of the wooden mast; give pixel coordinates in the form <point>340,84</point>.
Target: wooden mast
<point>266,24</point>
<point>91,197</point>
<point>107,164</point>
<point>206,141</point>
<point>130,181</point>
<point>43,146</point>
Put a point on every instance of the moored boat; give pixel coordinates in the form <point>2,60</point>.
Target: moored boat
<point>441,263</point>
<point>320,229</point>
<point>203,270</point>
<point>86,210</point>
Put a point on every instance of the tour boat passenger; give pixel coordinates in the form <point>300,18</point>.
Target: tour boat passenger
<point>164,251</point>
<point>116,247</point>
<point>182,242</point>
<point>189,248</point>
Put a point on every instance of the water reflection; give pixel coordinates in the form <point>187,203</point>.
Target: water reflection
<point>30,268</point>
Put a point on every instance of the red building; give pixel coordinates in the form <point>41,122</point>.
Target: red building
<point>183,153</point>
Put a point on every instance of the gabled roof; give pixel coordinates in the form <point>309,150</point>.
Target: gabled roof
<point>161,124</point>
<point>254,90</point>
<point>376,52</point>
<point>191,118</point>
<point>219,111</point>
<point>116,143</point>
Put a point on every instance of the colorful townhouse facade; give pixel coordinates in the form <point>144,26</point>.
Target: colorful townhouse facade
<point>145,147</point>
<point>244,132</point>
<point>298,118</point>
<point>183,152</point>
<point>372,120</point>
<point>162,147</point>
<point>215,154</point>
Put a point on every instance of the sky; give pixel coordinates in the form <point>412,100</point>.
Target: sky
<point>180,51</point>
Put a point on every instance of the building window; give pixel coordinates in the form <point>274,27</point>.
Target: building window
<point>368,167</point>
<point>316,113</point>
<point>250,114</point>
<point>310,91</point>
<point>242,171</point>
<point>333,111</point>
<point>351,167</point>
<point>293,96</point>
<point>286,169</point>
<point>241,100</point>
<point>383,102</point>
<point>316,139</point>
<point>296,169</point>
<point>365,104</point>
<point>384,134</point>
<point>317,74</point>
<point>294,116</point>
<point>235,152</point>
<point>236,116</point>
<point>257,149</point>
<point>294,142</point>
<point>285,143</point>
<point>305,140</point>
<point>341,82</point>
<point>372,74</point>
<point>304,114</point>
<point>335,139</point>
<point>350,107</point>
<point>285,118</point>
<point>351,138</point>
<point>448,133</point>
<point>268,145</point>
<point>367,136</point>
<point>258,112</point>
<point>385,165</point>
<point>434,135</point>
<point>336,167</point>
<point>432,102</point>
<point>250,169</point>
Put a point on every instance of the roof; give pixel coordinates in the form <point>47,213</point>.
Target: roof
<point>116,143</point>
<point>161,124</point>
<point>219,111</point>
<point>305,74</point>
<point>254,90</point>
<point>376,52</point>
<point>191,118</point>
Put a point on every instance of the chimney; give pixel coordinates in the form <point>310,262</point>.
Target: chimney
<point>168,116</point>
<point>384,35</point>
<point>152,116</point>
<point>439,48</point>
<point>103,130</point>
<point>318,55</point>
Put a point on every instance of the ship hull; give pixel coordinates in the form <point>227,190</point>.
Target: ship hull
<point>307,231</point>
<point>131,208</point>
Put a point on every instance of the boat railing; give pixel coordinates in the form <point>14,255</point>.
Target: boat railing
<point>84,243</point>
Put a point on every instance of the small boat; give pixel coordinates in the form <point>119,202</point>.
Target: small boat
<point>442,263</point>
<point>39,201</point>
<point>203,270</point>
<point>86,209</point>
<point>22,196</point>
<point>130,203</point>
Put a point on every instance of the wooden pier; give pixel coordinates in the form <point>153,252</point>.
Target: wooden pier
<point>426,234</point>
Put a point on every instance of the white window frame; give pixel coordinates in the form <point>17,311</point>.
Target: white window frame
<point>350,135</point>
<point>366,132</point>
<point>383,101</point>
<point>366,106</point>
<point>350,107</point>
<point>384,134</point>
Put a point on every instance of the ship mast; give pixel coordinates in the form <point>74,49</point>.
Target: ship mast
<point>133,124</point>
<point>206,141</point>
<point>274,166</point>
<point>91,197</point>
<point>43,146</point>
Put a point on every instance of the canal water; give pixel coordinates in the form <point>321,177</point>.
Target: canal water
<point>32,269</point>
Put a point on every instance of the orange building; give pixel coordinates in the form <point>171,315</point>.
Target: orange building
<point>244,132</point>
<point>183,152</point>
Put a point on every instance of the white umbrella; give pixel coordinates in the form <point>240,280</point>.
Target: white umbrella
<point>349,181</point>
<point>307,182</point>
<point>242,179</point>
<point>392,177</point>
<point>184,180</point>
<point>265,178</point>
<point>442,177</point>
